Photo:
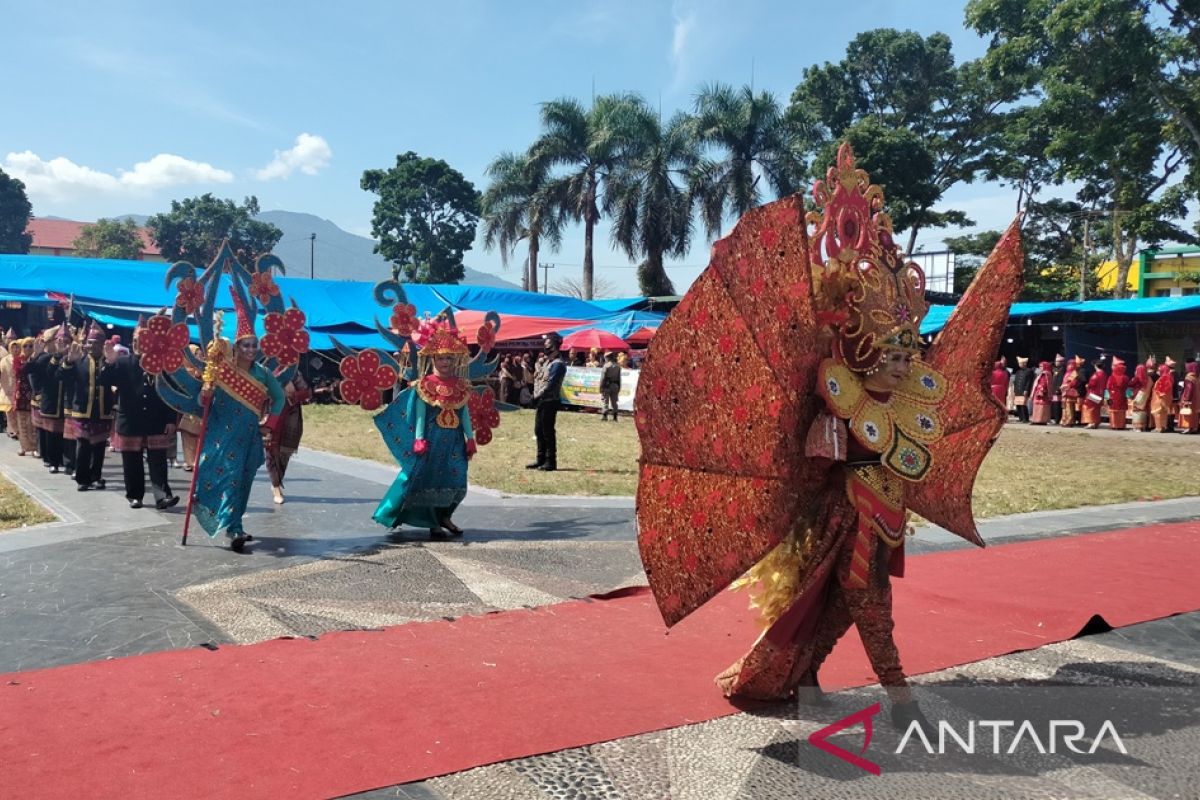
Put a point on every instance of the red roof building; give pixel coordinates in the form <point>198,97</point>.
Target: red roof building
<point>56,237</point>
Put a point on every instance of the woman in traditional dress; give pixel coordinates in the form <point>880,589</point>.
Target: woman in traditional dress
<point>1042,395</point>
<point>1139,388</point>
<point>22,410</point>
<point>1097,384</point>
<point>1000,383</point>
<point>238,392</point>
<point>1118,400</point>
<point>279,448</point>
<point>1162,399</point>
<point>429,429</point>
<point>1189,401</point>
<point>1070,392</point>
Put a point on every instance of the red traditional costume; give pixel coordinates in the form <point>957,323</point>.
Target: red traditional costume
<point>1070,391</point>
<point>804,470</point>
<point>1162,400</point>
<point>1118,400</point>
<point>1189,401</point>
<point>1043,395</point>
<point>1093,399</point>
<point>1000,379</point>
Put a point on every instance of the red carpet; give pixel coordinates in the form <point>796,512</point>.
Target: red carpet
<point>358,710</point>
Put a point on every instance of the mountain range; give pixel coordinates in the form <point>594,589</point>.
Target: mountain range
<point>335,254</point>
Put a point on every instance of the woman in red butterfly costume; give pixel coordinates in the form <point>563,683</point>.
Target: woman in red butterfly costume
<point>856,428</point>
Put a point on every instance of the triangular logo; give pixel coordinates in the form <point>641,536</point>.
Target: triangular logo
<point>818,739</point>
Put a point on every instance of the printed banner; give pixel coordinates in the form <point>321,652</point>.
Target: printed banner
<point>581,387</point>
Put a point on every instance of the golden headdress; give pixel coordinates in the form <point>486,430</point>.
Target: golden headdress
<point>872,297</point>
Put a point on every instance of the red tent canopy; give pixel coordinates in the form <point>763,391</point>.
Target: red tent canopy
<point>641,337</point>
<point>512,326</point>
<point>588,338</point>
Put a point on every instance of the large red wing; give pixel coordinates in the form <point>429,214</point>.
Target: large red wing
<point>723,400</point>
<point>963,352</point>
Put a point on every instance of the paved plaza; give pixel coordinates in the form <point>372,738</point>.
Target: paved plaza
<point>106,581</point>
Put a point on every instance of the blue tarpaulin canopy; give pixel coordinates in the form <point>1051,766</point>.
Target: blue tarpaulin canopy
<point>115,292</point>
<point>624,324</point>
<point>935,320</point>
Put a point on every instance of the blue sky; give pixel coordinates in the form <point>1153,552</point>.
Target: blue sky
<point>121,107</point>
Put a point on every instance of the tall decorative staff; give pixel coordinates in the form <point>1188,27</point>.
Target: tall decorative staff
<point>231,385</point>
<point>216,353</point>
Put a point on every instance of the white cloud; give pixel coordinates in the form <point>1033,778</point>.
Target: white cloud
<point>168,170</point>
<point>685,28</point>
<point>310,155</point>
<point>62,179</point>
<point>58,178</point>
<point>679,40</point>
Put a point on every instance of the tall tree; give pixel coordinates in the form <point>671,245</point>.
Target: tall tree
<point>109,238</point>
<point>1054,239</point>
<point>746,138</point>
<point>569,287</point>
<point>425,217</point>
<point>1090,69</point>
<point>1178,85</point>
<point>518,206</point>
<point>590,143</point>
<point>913,117</point>
<point>194,228</point>
<point>648,199</point>
<point>15,211</point>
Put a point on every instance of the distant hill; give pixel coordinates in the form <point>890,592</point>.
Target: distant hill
<point>338,255</point>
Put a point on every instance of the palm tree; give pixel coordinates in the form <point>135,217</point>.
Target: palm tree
<point>518,206</point>
<point>651,210</point>
<point>591,143</point>
<point>755,141</point>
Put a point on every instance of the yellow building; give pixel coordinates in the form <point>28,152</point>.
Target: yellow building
<point>1165,272</point>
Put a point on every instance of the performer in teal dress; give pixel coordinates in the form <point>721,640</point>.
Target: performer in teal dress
<point>428,429</point>
<point>242,391</point>
<point>228,386</point>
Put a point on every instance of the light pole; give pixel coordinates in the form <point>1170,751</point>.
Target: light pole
<point>546,277</point>
<point>312,251</point>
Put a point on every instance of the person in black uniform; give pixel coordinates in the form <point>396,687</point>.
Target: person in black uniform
<point>144,423</point>
<point>48,356</point>
<point>90,413</point>
<point>547,385</point>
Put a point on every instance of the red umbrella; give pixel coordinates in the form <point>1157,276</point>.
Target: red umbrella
<point>588,338</point>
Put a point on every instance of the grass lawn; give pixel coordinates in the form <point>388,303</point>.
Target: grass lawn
<point>18,508</point>
<point>1029,469</point>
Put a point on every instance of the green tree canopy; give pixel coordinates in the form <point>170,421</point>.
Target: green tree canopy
<point>1090,70</point>
<point>520,206</point>
<point>590,144</point>
<point>425,217</point>
<point>648,198</point>
<point>917,122</point>
<point>1053,238</point>
<point>15,211</point>
<point>109,238</point>
<point>748,144</point>
<point>194,228</point>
